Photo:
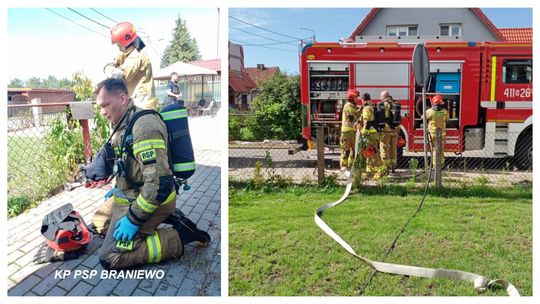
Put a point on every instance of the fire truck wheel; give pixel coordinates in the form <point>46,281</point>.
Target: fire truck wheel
<point>524,155</point>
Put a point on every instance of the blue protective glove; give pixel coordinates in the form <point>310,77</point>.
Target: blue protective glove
<point>112,192</point>
<point>125,230</point>
<point>109,194</point>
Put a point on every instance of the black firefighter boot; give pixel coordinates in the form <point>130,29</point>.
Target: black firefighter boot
<point>187,229</point>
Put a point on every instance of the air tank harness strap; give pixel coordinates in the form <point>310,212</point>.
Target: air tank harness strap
<point>481,283</point>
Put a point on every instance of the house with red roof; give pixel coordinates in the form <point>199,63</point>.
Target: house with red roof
<point>244,81</point>
<point>428,24</point>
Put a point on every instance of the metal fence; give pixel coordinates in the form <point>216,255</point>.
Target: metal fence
<point>28,126</point>
<point>291,161</point>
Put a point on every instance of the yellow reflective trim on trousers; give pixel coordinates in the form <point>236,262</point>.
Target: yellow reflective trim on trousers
<point>493,76</point>
<point>158,247</point>
<point>148,144</point>
<point>151,248</point>
<point>146,206</point>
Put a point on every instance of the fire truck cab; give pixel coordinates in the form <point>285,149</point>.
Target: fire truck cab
<point>486,87</point>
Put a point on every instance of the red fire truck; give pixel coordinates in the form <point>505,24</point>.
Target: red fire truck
<point>487,89</point>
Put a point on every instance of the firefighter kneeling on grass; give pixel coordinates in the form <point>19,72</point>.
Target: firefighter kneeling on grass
<point>437,116</point>
<point>145,194</point>
<point>349,116</point>
<point>371,135</point>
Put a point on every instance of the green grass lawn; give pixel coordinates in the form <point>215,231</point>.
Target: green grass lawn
<point>275,248</point>
<point>24,156</point>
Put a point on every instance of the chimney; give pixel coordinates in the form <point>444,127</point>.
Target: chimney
<point>260,66</point>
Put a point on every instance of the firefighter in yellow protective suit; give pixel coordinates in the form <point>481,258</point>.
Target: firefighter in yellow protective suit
<point>389,135</point>
<point>349,116</point>
<point>374,165</point>
<point>437,117</point>
<point>145,194</point>
<point>133,64</point>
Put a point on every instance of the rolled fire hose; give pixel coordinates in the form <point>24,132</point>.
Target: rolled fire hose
<point>481,283</point>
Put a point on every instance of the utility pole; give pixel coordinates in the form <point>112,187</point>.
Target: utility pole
<point>217,42</point>
<point>312,32</point>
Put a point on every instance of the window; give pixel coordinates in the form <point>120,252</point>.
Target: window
<point>517,71</point>
<point>450,30</point>
<point>401,30</point>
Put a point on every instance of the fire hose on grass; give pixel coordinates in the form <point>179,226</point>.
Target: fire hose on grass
<point>481,283</point>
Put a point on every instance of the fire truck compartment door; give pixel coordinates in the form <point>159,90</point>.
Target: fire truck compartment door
<point>329,66</point>
<point>391,74</point>
<point>444,67</point>
<point>374,77</point>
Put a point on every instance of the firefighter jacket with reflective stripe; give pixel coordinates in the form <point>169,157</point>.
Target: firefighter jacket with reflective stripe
<point>388,104</point>
<point>137,70</point>
<point>349,117</point>
<point>368,117</point>
<point>149,182</point>
<point>436,119</point>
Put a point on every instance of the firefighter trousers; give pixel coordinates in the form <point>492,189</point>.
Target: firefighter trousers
<point>374,164</point>
<point>389,148</point>
<point>150,245</point>
<point>346,145</point>
<point>437,156</point>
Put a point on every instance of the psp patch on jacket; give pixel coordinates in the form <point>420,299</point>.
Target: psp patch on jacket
<point>148,156</point>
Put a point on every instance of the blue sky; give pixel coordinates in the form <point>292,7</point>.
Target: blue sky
<point>328,24</point>
<point>41,43</point>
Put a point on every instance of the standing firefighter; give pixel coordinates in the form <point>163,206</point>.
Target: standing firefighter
<point>349,116</point>
<point>371,135</point>
<point>145,194</point>
<point>389,134</point>
<point>437,116</point>
<point>134,65</point>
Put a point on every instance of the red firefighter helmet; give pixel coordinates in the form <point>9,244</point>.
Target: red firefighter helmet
<point>352,94</point>
<point>64,229</point>
<point>437,100</point>
<point>123,34</point>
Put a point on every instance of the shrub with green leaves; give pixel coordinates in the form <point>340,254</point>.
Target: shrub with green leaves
<point>277,109</point>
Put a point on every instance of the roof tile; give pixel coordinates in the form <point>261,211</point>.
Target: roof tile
<point>517,34</point>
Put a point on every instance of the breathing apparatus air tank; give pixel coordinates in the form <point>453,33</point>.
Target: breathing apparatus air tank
<point>180,147</point>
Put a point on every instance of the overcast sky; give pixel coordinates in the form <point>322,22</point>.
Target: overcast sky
<point>41,43</point>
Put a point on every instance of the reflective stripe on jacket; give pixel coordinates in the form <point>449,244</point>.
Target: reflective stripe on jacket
<point>436,119</point>
<point>348,117</point>
<point>149,182</point>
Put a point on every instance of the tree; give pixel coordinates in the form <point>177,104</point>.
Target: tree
<point>277,108</point>
<point>182,47</point>
<point>34,82</point>
<point>16,83</point>
<point>50,82</point>
<point>82,86</point>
